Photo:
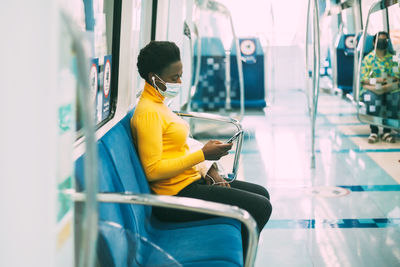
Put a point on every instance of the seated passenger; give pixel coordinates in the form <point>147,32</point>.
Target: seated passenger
<point>161,139</point>
<point>380,86</point>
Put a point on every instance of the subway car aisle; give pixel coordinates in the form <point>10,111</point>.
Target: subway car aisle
<point>346,211</point>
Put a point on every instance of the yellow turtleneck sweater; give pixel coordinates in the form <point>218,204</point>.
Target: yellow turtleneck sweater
<point>161,139</point>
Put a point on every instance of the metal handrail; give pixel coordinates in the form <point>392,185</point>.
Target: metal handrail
<point>198,62</point>
<point>358,30</point>
<point>315,82</point>
<point>334,56</point>
<point>307,55</point>
<point>188,204</point>
<point>236,123</point>
<point>375,7</point>
<point>315,79</point>
<point>90,222</point>
<point>187,32</point>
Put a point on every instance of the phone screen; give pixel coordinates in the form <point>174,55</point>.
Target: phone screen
<point>233,138</point>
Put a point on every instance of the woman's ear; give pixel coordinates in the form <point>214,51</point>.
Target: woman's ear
<point>150,77</point>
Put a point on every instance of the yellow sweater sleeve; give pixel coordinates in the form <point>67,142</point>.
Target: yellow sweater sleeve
<point>148,131</point>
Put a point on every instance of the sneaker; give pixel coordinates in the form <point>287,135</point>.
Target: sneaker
<point>373,138</point>
<point>388,138</point>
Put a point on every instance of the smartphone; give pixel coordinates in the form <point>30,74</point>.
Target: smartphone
<point>233,138</point>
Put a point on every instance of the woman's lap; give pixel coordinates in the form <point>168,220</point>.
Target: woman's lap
<point>251,197</point>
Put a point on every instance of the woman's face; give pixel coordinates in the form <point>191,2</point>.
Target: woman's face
<point>171,74</point>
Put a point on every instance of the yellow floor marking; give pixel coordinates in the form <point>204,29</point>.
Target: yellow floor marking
<point>346,119</point>
<point>362,143</point>
<point>389,162</point>
<point>354,129</point>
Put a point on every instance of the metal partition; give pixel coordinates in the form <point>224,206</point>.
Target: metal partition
<point>216,118</point>
<point>313,92</point>
<point>339,9</point>
<point>362,109</point>
<point>194,76</point>
<point>212,6</point>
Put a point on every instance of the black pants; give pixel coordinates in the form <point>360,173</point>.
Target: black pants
<point>385,105</point>
<point>251,197</point>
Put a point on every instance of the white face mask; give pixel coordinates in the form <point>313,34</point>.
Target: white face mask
<point>172,89</point>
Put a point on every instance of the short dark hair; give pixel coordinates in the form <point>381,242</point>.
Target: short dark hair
<point>156,56</point>
<point>379,33</point>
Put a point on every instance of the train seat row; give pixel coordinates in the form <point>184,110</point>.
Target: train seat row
<point>345,49</point>
<point>130,236</point>
<point>211,92</point>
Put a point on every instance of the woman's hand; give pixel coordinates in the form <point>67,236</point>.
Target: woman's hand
<point>214,150</point>
<point>380,80</point>
<point>213,177</point>
<point>390,86</point>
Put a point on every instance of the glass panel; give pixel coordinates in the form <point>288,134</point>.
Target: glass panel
<point>213,88</point>
<point>118,246</point>
<point>348,21</point>
<point>98,27</point>
<point>376,19</point>
<point>379,75</point>
<point>394,26</point>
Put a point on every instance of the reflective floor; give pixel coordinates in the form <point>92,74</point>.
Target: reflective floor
<point>346,211</point>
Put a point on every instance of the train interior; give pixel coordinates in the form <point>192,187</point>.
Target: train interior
<point>290,73</point>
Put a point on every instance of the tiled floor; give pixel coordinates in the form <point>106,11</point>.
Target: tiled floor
<point>309,230</point>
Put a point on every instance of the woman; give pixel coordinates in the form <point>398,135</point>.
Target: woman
<point>380,91</point>
<point>161,139</point>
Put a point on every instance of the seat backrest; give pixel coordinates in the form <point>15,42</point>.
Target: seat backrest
<point>108,182</point>
<point>140,175</point>
<point>118,143</point>
<point>369,45</point>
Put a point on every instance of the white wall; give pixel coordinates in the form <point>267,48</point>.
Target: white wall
<point>286,68</point>
<point>28,133</point>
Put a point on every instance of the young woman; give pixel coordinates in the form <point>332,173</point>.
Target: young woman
<point>161,139</point>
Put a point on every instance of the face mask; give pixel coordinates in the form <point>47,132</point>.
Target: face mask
<point>382,44</point>
<point>172,89</point>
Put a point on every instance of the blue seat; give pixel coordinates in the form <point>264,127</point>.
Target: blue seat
<point>144,240</point>
<point>252,55</point>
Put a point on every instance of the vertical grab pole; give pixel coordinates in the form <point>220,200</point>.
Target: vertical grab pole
<point>198,65</point>
<point>357,56</point>
<point>90,221</point>
<point>315,79</point>
<point>362,45</point>
<point>307,58</point>
<point>187,33</point>
<point>239,63</point>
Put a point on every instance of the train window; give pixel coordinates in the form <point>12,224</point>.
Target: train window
<point>102,27</point>
<point>394,26</point>
<point>348,21</point>
<point>375,20</point>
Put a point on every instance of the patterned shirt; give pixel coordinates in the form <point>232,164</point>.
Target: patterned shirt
<point>373,66</point>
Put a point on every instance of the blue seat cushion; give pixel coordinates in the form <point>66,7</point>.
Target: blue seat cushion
<point>205,244</point>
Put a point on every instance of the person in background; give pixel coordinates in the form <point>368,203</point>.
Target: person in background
<point>380,86</point>
<point>161,136</point>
